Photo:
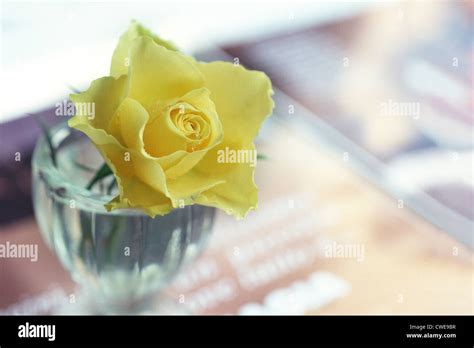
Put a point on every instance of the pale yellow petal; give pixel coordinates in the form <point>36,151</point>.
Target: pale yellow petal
<point>238,194</point>
<point>141,180</point>
<point>162,138</point>
<point>158,74</point>
<point>103,97</point>
<point>163,141</point>
<point>141,196</point>
<point>120,58</point>
<point>242,98</point>
<point>128,124</point>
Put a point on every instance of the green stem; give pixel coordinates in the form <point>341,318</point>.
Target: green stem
<point>103,172</point>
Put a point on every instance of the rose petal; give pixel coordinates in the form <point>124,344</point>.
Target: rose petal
<point>238,194</point>
<point>243,101</point>
<point>128,124</point>
<point>162,138</point>
<point>141,196</point>
<point>120,58</point>
<point>242,98</point>
<point>134,171</point>
<point>158,74</point>
<point>105,95</point>
<point>186,189</point>
<point>163,141</point>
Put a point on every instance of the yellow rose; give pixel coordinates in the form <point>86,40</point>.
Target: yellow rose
<point>162,120</point>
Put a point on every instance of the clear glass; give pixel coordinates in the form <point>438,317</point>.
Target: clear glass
<point>120,258</point>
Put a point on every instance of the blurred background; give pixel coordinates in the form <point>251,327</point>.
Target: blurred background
<point>366,195</point>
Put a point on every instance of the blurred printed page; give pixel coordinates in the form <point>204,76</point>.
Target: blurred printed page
<point>397,83</point>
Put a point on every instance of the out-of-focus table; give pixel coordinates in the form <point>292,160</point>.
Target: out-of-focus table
<point>311,203</point>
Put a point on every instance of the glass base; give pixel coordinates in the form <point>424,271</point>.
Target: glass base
<point>89,303</point>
